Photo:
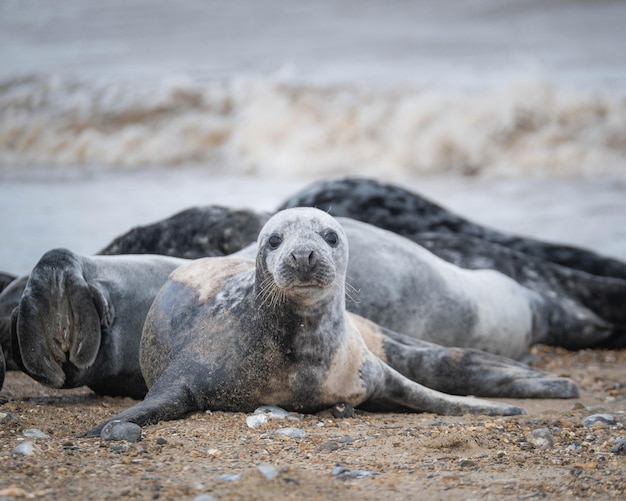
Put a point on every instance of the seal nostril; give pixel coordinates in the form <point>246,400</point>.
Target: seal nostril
<point>312,257</point>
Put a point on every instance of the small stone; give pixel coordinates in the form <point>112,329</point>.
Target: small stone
<point>342,410</point>
<point>121,430</point>
<point>466,463</point>
<point>230,477</point>
<point>268,471</point>
<point>342,472</point>
<point>256,420</point>
<point>329,446</point>
<point>33,433</point>
<point>346,440</point>
<point>26,449</point>
<point>6,417</point>
<point>291,432</point>
<point>619,447</point>
<point>273,412</point>
<point>600,420</point>
<point>70,446</point>
<point>541,439</point>
<point>161,441</point>
<point>204,497</point>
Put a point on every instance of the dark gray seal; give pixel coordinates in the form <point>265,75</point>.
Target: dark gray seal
<point>9,299</point>
<point>233,334</point>
<point>195,232</point>
<point>409,214</point>
<point>79,320</point>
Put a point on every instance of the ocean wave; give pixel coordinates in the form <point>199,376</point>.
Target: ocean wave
<point>529,127</point>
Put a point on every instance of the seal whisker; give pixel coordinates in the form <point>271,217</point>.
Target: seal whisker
<point>351,289</point>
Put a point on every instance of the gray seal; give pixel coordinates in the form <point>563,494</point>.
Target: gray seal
<point>397,209</point>
<point>234,333</point>
<point>79,319</point>
<point>404,287</point>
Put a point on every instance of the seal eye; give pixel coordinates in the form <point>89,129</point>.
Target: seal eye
<point>274,241</point>
<point>331,238</point>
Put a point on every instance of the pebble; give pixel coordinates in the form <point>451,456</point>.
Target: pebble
<point>266,412</point>
<point>619,447</point>
<point>541,439</point>
<point>346,440</point>
<point>5,417</point>
<point>342,410</point>
<point>328,446</point>
<point>603,420</point>
<point>25,448</point>
<point>466,463</point>
<point>121,430</point>
<point>343,472</point>
<point>291,432</point>
<point>230,477</point>
<point>273,412</point>
<point>204,497</point>
<point>34,433</point>
<point>256,420</point>
<point>268,471</point>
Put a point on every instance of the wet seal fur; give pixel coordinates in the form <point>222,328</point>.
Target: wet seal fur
<point>409,214</point>
<point>79,320</point>
<point>587,290</point>
<point>233,334</point>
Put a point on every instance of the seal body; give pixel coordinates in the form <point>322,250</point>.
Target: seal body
<point>404,287</point>
<point>79,320</point>
<point>196,232</point>
<point>399,210</point>
<point>234,333</point>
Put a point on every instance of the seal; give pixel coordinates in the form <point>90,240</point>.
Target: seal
<point>399,210</point>
<point>9,299</point>
<point>211,230</point>
<point>233,333</point>
<point>79,320</point>
<point>404,287</point>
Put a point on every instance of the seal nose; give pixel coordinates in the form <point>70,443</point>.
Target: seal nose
<point>303,257</point>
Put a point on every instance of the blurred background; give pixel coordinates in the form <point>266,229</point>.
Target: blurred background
<point>119,113</point>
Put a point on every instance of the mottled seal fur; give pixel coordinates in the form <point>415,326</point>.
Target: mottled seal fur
<point>196,232</point>
<point>399,210</point>
<point>79,319</point>
<point>233,333</point>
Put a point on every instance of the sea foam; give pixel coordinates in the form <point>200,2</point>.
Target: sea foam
<point>529,127</point>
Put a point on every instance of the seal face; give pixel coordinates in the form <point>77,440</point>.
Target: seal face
<point>233,334</point>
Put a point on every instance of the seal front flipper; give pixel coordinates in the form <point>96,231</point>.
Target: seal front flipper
<point>169,398</point>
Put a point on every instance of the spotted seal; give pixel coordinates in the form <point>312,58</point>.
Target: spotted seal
<point>233,333</point>
<point>79,319</point>
<point>397,209</point>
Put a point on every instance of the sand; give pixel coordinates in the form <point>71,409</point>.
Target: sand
<point>404,456</point>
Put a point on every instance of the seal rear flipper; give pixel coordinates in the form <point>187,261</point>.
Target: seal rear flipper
<point>396,391</point>
<point>466,371</point>
<point>168,399</point>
